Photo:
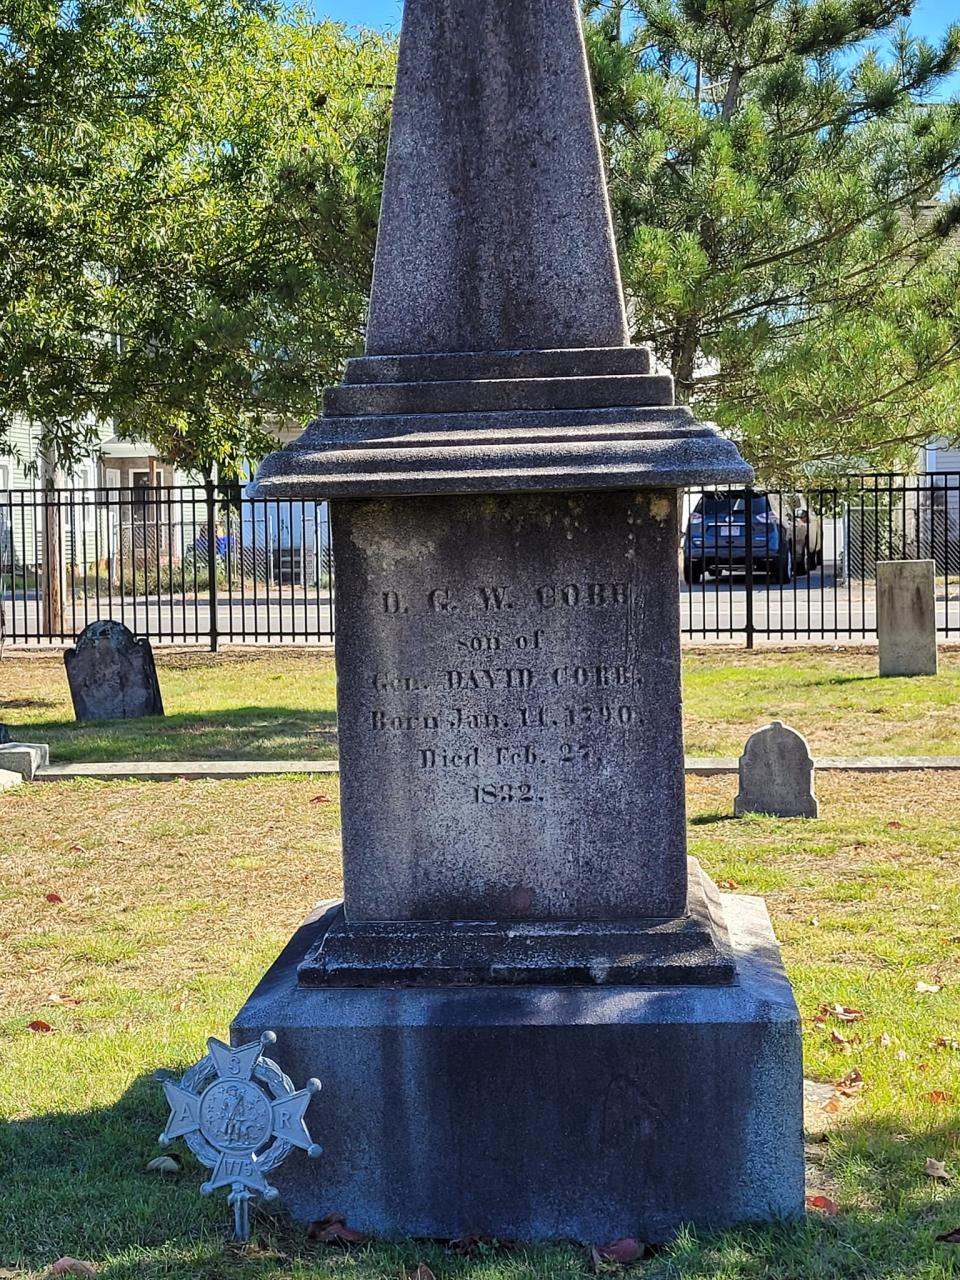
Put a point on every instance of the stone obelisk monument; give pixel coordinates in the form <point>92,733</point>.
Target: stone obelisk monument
<point>533,1017</point>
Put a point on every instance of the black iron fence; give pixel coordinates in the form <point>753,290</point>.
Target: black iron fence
<point>208,564</point>
<point>792,564</point>
<point>184,565</point>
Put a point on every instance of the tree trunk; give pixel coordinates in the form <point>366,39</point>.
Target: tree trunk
<point>685,359</point>
<point>52,575</point>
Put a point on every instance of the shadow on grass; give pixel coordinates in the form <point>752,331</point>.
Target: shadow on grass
<point>25,704</point>
<point>76,1184</point>
<point>711,819</point>
<point>827,682</point>
<point>259,733</point>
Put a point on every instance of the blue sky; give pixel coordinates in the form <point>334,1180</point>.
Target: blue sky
<point>930,18</point>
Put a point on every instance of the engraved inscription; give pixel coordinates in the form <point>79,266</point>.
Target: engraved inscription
<point>466,714</point>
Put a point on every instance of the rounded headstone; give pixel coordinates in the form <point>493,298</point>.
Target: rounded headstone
<point>112,674</point>
<point>776,775</point>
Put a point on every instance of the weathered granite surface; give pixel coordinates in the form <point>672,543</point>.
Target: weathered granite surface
<point>907,617</point>
<point>776,775</point>
<point>691,948</point>
<point>4,734</point>
<point>498,355</point>
<point>504,472</point>
<point>112,674</point>
<point>509,707</point>
<point>544,1112</point>
<point>494,180</point>
<point>514,451</point>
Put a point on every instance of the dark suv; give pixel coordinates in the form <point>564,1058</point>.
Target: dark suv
<point>787,535</point>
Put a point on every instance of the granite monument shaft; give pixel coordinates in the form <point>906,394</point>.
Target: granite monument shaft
<point>525,965</point>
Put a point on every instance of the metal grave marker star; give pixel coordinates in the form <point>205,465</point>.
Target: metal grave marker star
<point>240,1116</point>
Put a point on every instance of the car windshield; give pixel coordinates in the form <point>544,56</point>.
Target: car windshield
<point>725,505</point>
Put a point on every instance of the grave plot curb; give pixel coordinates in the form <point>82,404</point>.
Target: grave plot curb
<point>178,770</point>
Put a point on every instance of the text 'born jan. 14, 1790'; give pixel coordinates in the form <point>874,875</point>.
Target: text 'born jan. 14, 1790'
<point>498,700</point>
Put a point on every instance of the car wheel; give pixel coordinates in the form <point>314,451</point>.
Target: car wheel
<point>692,573</point>
<point>783,572</point>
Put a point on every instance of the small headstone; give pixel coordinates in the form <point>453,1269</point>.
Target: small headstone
<point>776,775</point>
<point>24,758</point>
<point>112,674</point>
<point>907,617</point>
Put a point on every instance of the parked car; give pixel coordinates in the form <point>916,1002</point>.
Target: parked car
<point>786,535</point>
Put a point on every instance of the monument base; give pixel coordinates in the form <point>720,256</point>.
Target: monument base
<point>693,948</point>
<point>545,1112</point>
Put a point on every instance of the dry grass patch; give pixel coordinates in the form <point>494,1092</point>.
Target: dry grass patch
<point>175,897</point>
<point>157,881</point>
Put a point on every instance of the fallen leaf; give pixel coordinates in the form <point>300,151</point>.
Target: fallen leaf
<point>841,1041</point>
<point>728,884</point>
<point>823,1203</point>
<point>850,1085</point>
<point>72,1267</point>
<point>815,922</point>
<point>947,1042</point>
<point>953,940</point>
<point>832,1105</point>
<point>842,1012</point>
<point>622,1251</point>
<point>885,1041</point>
<point>950,1237</point>
<point>320,799</point>
<point>165,1164</point>
<point>54,898</point>
<point>936,1169</point>
<point>53,998</point>
<point>894,826</point>
<point>333,1230</point>
<point>927,989</point>
<point>38,1024</point>
<point>939,1096</point>
<point>923,1066</point>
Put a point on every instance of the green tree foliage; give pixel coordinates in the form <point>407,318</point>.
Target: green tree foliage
<point>772,167</point>
<point>189,193</point>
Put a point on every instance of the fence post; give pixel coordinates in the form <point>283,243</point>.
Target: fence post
<point>748,581</point>
<point>211,490</point>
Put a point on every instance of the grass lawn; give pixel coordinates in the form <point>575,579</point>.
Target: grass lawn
<point>176,896</point>
<point>277,704</point>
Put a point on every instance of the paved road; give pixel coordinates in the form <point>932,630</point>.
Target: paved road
<point>185,620</point>
<point>815,607</point>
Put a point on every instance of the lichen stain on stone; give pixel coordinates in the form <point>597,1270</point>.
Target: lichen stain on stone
<point>660,508</point>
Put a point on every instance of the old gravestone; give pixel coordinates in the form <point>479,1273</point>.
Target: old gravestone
<point>776,775</point>
<point>533,1017</point>
<point>112,674</point>
<point>907,617</point>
